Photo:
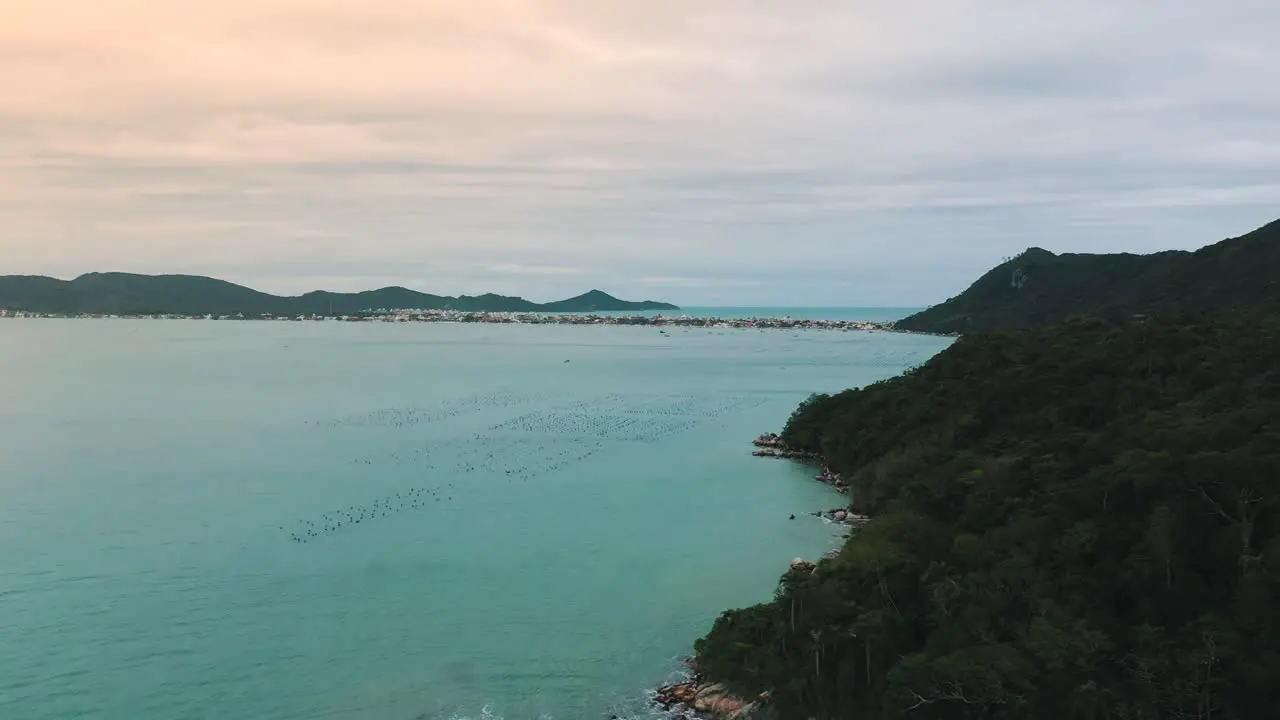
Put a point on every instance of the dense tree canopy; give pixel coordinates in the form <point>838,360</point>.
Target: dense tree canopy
<point>1075,521</point>
<point>1039,287</point>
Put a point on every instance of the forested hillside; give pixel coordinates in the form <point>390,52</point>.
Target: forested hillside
<point>1080,520</point>
<point>1038,286</point>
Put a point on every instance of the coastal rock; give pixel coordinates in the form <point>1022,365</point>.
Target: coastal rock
<point>768,440</point>
<point>725,706</point>
<point>710,689</point>
<point>771,446</point>
<point>715,701</point>
<point>802,565</point>
<point>669,696</point>
<point>699,698</point>
<point>841,516</point>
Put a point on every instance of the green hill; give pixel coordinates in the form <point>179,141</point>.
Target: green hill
<point>598,301</point>
<point>129,294</point>
<point>1080,520</point>
<point>1038,286</point>
<point>1075,507</point>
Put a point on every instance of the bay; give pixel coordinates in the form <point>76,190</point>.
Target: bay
<point>872,314</point>
<point>330,520</point>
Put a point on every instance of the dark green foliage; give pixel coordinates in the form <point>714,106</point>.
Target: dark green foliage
<point>803,430</point>
<point>1076,521</point>
<point>1039,287</point>
<point>599,301</point>
<point>128,294</point>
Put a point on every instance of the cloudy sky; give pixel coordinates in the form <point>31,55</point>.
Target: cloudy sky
<point>708,152</point>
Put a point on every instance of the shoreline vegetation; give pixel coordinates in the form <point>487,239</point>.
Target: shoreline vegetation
<point>697,697</point>
<point>1037,287</point>
<point>1073,511</point>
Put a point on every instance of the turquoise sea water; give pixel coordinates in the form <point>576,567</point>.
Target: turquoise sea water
<point>536,537</point>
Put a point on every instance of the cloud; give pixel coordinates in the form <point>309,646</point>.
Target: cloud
<point>698,282</point>
<point>514,269</point>
<point>751,151</point>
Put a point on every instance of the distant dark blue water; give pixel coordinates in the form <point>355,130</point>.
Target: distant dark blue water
<point>299,520</point>
<point>873,314</point>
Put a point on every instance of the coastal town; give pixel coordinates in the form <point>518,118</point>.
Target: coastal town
<point>505,318</point>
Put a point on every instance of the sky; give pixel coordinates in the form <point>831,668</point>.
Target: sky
<point>717,152</point>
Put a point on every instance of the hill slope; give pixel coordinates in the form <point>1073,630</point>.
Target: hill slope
<point>1076,521</point>
<point>598,301</point>
<point>1039,287</point>
<point>125,293</point>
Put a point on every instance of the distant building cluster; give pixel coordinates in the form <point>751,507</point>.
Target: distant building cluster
<point>522,318</point>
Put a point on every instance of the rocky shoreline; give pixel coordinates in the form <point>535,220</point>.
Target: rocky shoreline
<point>698,697</point>
<point>771,442</point>
<point>833,479</point>
<point>770,445</point>
<point>785,454</point>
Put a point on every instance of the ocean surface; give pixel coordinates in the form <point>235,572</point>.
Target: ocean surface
<point>873,314</point>
<point>269,520</point>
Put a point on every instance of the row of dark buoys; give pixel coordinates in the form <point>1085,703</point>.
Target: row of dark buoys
<point>651,420</point>
<point>577,423</point>
<point>524,458</point>
<point>520,449</point>
<point>727,406</point>
<point>611,403</point>
<point>698,406</point>
<point>413,416</point>
<point>419,457</point>
<point>559,464</point>
<point>352,515</point>
<point>652,432</point>
<point>634,428</point>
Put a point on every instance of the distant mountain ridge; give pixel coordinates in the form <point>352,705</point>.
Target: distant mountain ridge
<point>1039,287</point>
<point>115,293</point>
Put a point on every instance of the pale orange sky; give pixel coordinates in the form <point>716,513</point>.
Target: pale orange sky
<point>655,148</point>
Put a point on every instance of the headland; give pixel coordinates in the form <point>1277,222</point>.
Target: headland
<point>1072,511</point>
